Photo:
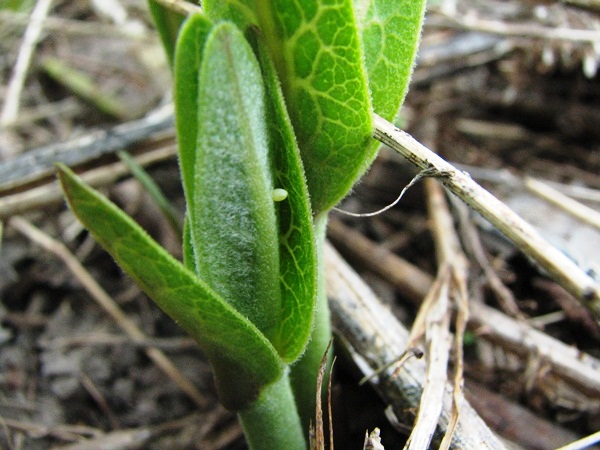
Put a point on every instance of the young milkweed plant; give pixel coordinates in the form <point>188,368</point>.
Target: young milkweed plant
<point>273,107</point>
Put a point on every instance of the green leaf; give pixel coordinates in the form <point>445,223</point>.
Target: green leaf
<point>297,253</point>
<point>167,23</point>
<point>232,217</point>
<point>189,260</point>
<point>317,52</point>
<point>318,56</point>
<point>243,359</point>
<point>390,32</point>
<point>188,58</point>
<point>86,87</point>
<point>240,12</point>
<point>23,6</point>
<point>153,189</point>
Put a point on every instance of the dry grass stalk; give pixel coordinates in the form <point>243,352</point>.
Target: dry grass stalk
<point>49,194</point>
<point>474,248</point>
<point>577,369</point>
<point>108,304</point>
<point>449,252</point>
<point>562,269</point>
<point>181,6</point>
<point>317,431</point>
<point>10,111</point>
<point>156,129</point>
<point>374,337</point>
<point>434,323</point>
<point>557,198</point>
<point>373,440</point>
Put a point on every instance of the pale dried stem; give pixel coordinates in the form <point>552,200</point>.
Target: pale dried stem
<point>65,432</point>
<point>71,28</point>
<point>375,338</point>
<point>447,243</point>
<point>578,369</point>
<point>108,304</point>
<point>474,248</point>
<point>34,165</point>
<point>586,442</point>
<point>460,326</point>
<point>529,30</point>
<point>50,193</point>
<point>436,321</point>
<point>317,432</point>
<point>10,109</point>
<point>330,406</point>
<point>373,440</point>
<point>575,367</point>
<point>449,253</point>
<point>181,6</point>
<point>557,198</point>
<point>419,326</point>
<point>506,178</point>
<point>562,269</point>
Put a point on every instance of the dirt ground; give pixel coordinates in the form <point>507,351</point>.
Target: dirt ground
<point>505,90</point>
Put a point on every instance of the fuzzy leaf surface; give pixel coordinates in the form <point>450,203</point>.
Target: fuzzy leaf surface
<point>188,59</point>
<point>297,253</point>
<point>242,358</point>
<point>317,53</point>
<point>390,32</point>
<point>232,216</point>
<point>240,12</point>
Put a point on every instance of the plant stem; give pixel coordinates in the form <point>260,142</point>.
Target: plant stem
<point>560,267</point>
<point>272,422</point>
<point>85,87</point>
<point>304,372</point>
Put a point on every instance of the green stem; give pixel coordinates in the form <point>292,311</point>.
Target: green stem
<point>304,372</point>
<point>272,422</point>
<point>86,87</point>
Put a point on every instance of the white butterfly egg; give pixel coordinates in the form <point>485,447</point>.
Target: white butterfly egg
<point>279,194</point>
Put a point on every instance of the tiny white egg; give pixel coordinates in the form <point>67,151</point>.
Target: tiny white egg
<point>279,194</point>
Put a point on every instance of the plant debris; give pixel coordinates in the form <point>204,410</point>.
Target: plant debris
<point>505,90</point>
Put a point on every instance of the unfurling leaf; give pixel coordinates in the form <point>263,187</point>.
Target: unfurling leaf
<point>317,53</point>
<point>232,215</point>
<point>390,31</point>
<point>243,359</point>
<point>257,252</point>
<point>190,49</point>
<point>297,253</point>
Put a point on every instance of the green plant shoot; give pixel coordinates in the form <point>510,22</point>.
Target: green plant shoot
<point>251,360</point>
<point>316,50</point>
<point>273,107</point>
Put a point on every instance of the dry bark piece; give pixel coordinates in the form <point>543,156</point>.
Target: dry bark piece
<point>578,370</point>
<point>517,423</point>
<point>374,337</point>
